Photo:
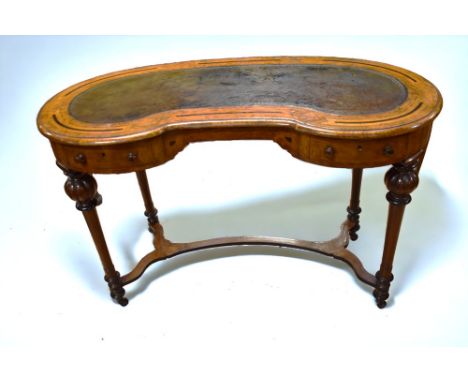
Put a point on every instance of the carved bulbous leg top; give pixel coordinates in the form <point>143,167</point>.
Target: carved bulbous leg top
<point>82,188</point>
<point>401,180</point>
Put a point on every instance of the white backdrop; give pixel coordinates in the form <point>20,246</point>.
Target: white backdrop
<point>244,313</point>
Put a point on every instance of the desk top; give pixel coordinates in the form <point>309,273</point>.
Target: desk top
<point>325,96</point>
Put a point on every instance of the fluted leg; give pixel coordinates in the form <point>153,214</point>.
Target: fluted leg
<point>82,188</point>
<point>354,210</point>
<point>401,180</point>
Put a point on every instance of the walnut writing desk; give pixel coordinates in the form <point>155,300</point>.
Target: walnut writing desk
<point>329,111</point>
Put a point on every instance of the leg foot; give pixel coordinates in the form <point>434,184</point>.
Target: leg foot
<point>117,292</point>
<point>381,289</point>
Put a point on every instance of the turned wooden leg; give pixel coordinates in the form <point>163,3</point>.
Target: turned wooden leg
<point>401,180</point>
<point>82,188</point>
<point>354,210</point>
<point>150,210</point>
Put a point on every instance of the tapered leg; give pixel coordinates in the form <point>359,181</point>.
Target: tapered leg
<point>82,188</point>
<point>354,210</point>
<point>401,180</point>
<point>150,211</point>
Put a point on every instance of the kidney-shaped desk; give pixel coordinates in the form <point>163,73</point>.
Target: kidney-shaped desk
<point>329,111</point>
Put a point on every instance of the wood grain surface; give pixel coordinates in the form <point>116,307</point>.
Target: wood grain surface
<point>331,111</point>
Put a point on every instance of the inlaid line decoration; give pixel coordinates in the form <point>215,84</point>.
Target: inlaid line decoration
<point>227,112</point>
<point>237,63</point>
<point>137,72</point>
<point>78,129</point>
<point>383,119</point>
<point>92,82</point>
<point>376,66</point>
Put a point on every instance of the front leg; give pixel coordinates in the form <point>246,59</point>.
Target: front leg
<point>401,180</point>
<point>82,188</point>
